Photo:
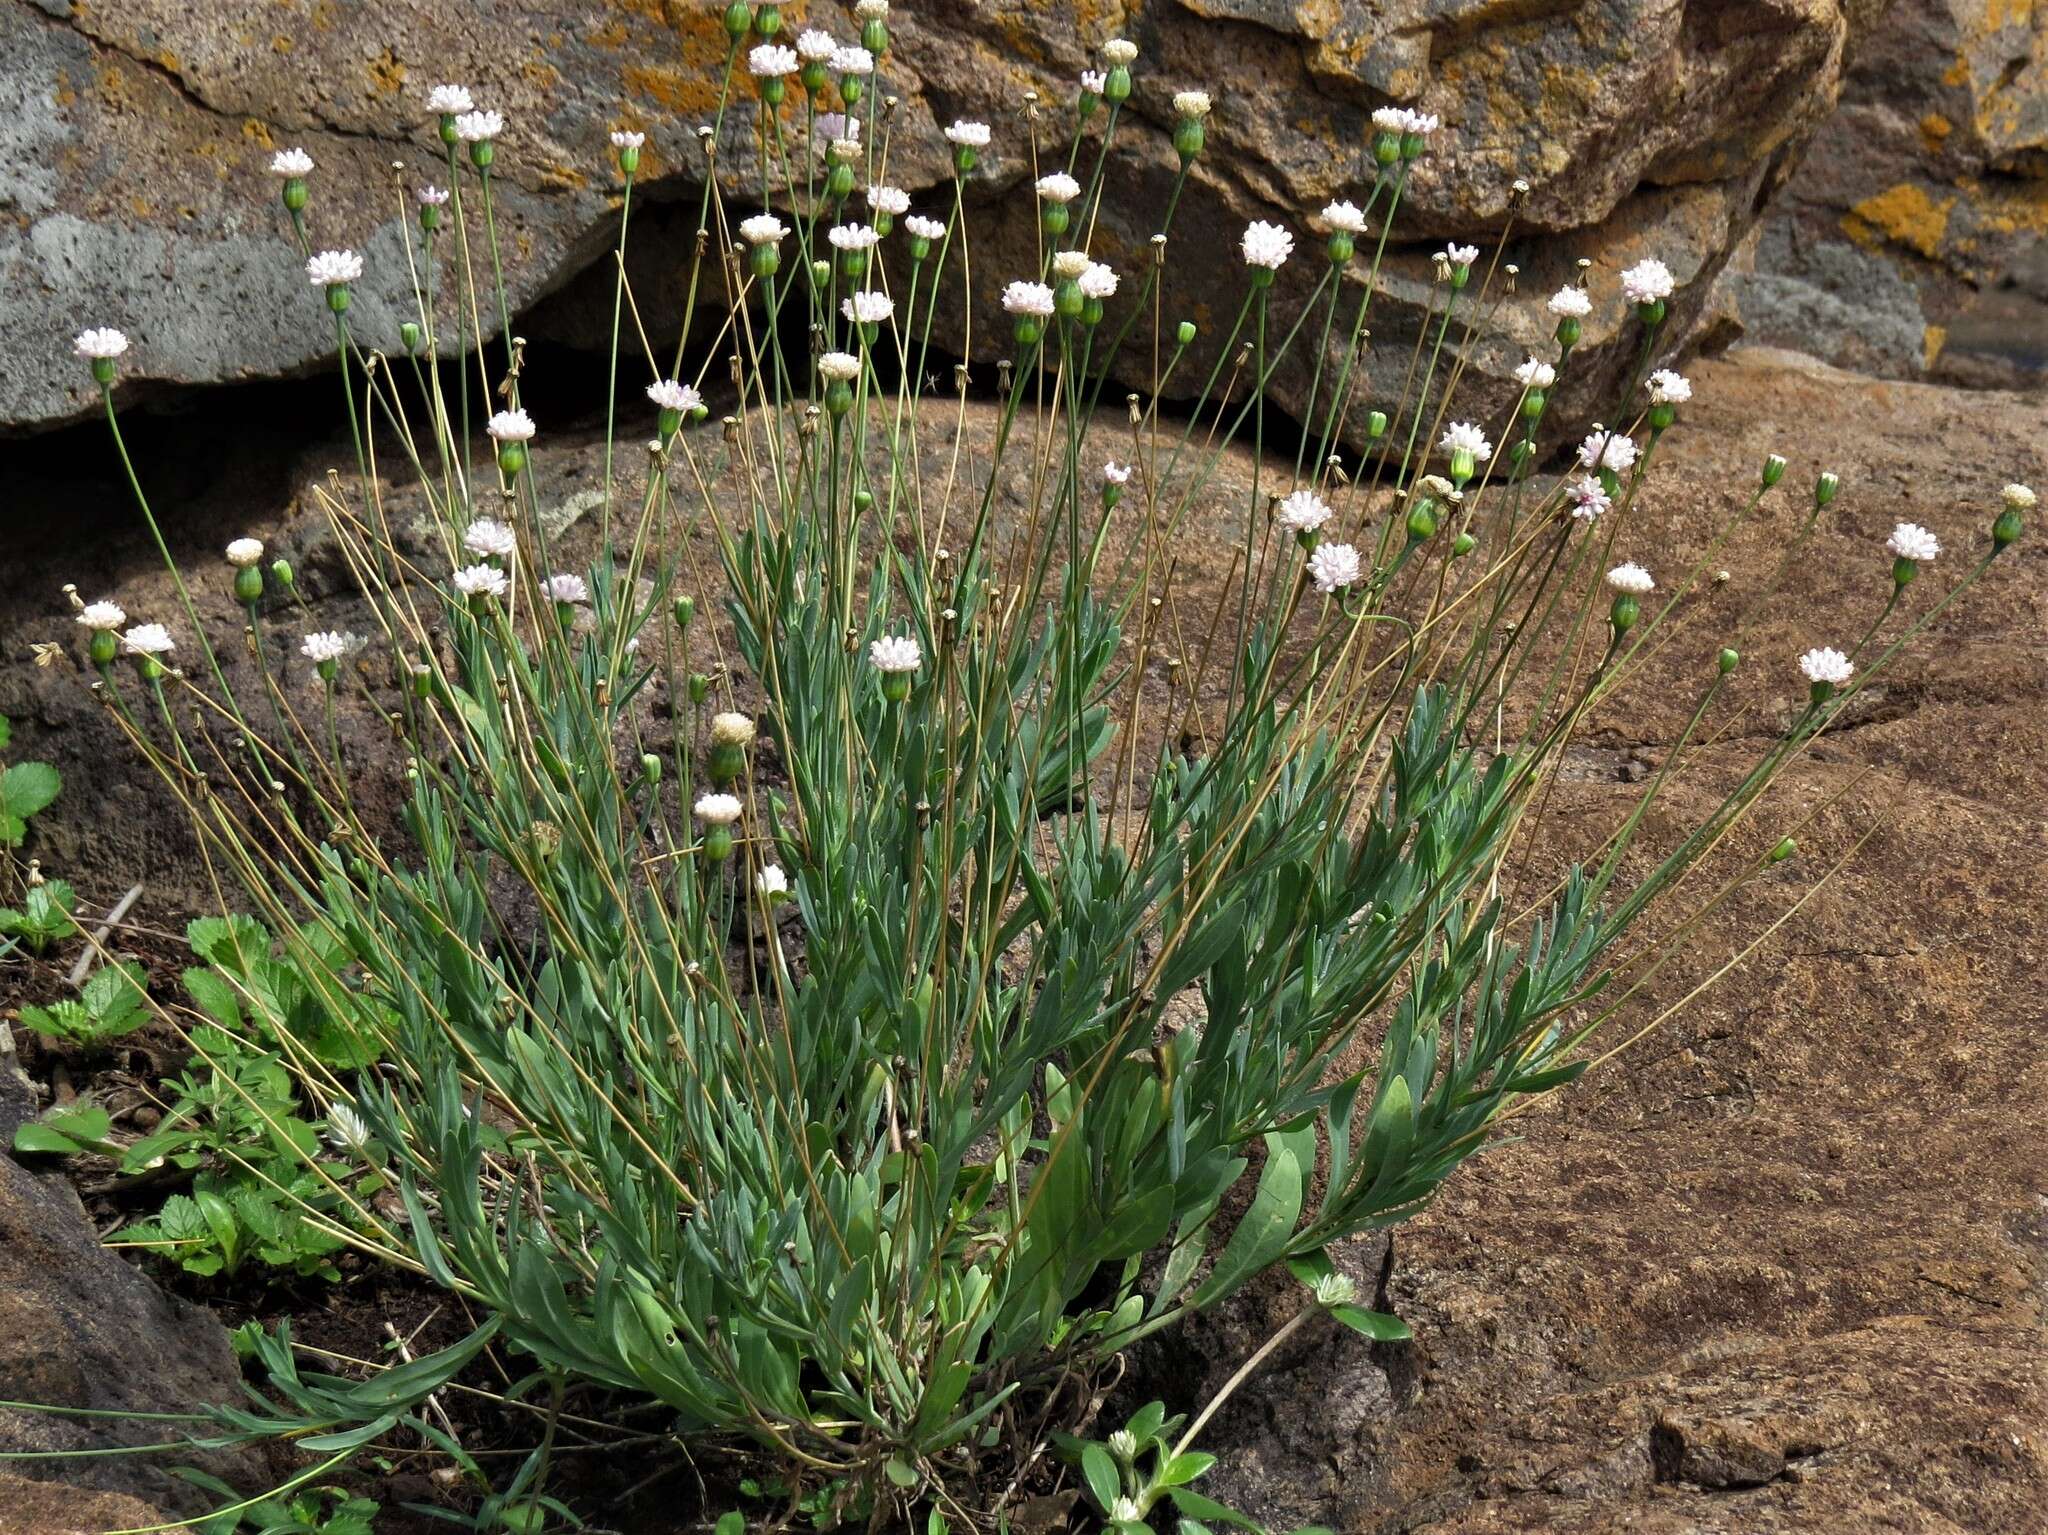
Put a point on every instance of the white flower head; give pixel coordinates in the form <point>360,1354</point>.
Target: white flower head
<point>867,307</point>
<point>479,127</point>
<point>1097,280</point>
<point>330,267</point>
<point>1093,80</point>
<point>968,135</point>
<point>1825,664</point>
<point>566,586</point>
<point>771,881</point>
<point>148,640</point>
<point>1125,1510</point>
<point>1345,216</point>
<point>893,201</point>
<point>1588,498</point>
<point>2017,497</point>
<point>762,229</point>
<point>1058,187</point>
<point>852,60</point>
<point>1390,119</point>
<point>487,536</point>
<point>1603,449</point>
<point>846,150</point>
<point>100,343</point>
<point>895,653</point>
<point>510,426</point>
<point>1458,255</point>
<point>1114,473</point>
<point>1647,281</point>
<point>430,196</point>
<point>872,10</point>
<point>923,228</point>
<point>1266,245</point>
<point>1332,567</point>
<point>668,394</point>
<point>624,139</point>
<point>291,162</point>
<point>1303,511</point>
<point>1910,541</point>
<point>326,645</point>
<point>771,61</point>
<point>1120,52</point>
<point>244,552</point>
<point>839,367</point>
<point>346,1129</point>
<point>1069,263</point>
<point>1422,124</point>
<point>1631,579</point>
<point>852,237</point>
<point>481,581</point>
<point>102,616</point>
<point>717,809</point>
<point>1466,437</point>
<point>1191,104</point>
<point>730,728</point>
<point>1535,374</point>
<point>1029,298</point>
<point>837,125</point>
<point>815,47</point>
<point>1570,303</point>
<point>1669,388</point>
<point>450,100</point>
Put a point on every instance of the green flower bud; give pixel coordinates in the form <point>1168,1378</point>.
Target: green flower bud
<point>104,647</point>
<point>838,397</point>
<point>1463,545</point>
<point>1422,520</point>
<point>409,335</point>
<point>1904,570</point>
<point>338,297</point>
<point>717,843</point>
<point>1066,299</point>
<point>1652,313</point>
<point>295,193</point>
<point>768,19</point>
<point>1386,147</point>
<point>1342,246</point>
<point>963,158</point>
<point>248,584</point>
<point>1728,660</point>
<point>1568,332</point>
<point>739,19</point>
<point>2007,528</point>
<point>813,75</point>
<point>481,154</point>
<point>1053,218</point>
<point>850,88</point>
<point>1783,851</point>
<point>839,181</point>
<point>1824,489</point>
<point>874,36</point>
<point>511,457</point>
<point>1118,86</point>
<point>448,134</point>
<point>650,767</point>
<point>1532,405</point>
<point>1625,612</point>
<point>1028,330</point>
<point>1774,470</point>
<point>1661,416</point>
<point>430,217</point>
<point>1184,333</point>
<point>281,572</point>
<point>1188,138</point>
<point>629,158</point>
<point>774,89</point>
<point>896,686</point>
<point>685,609</point>
<point>700,687</point>
<point>1376,424</point>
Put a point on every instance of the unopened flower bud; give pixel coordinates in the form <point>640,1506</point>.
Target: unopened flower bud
<point>1783,851</point>
<point>1824,489</point>
<point>281,572</point>
<point>1774,470</point>
<point>1728,660</point>
<point>1376,424</point>
<point>409,335</point>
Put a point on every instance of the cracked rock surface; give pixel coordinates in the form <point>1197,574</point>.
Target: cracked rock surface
<point>134,152</point>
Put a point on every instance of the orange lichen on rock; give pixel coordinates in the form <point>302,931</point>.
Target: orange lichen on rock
<point>1903,215</point>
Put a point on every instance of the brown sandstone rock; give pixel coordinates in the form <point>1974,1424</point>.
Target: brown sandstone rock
<point>136,165</point>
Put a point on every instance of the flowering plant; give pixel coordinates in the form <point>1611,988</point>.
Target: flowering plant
<point>842,1017</point>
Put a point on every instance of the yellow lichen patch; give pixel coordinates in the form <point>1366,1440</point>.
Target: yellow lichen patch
<point>258,132</point>
<point>1904,215</point>
<point>612,34</point>
<point>140,206</point>
<point>679,90</point>
<point>387,75</point>
<point>1934,132</point>
<point>1931,344</point>
<point>280,44</point>
<point>2000,14</point>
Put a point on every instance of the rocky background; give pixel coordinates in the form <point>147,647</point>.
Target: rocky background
<point>1780,1269</point>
